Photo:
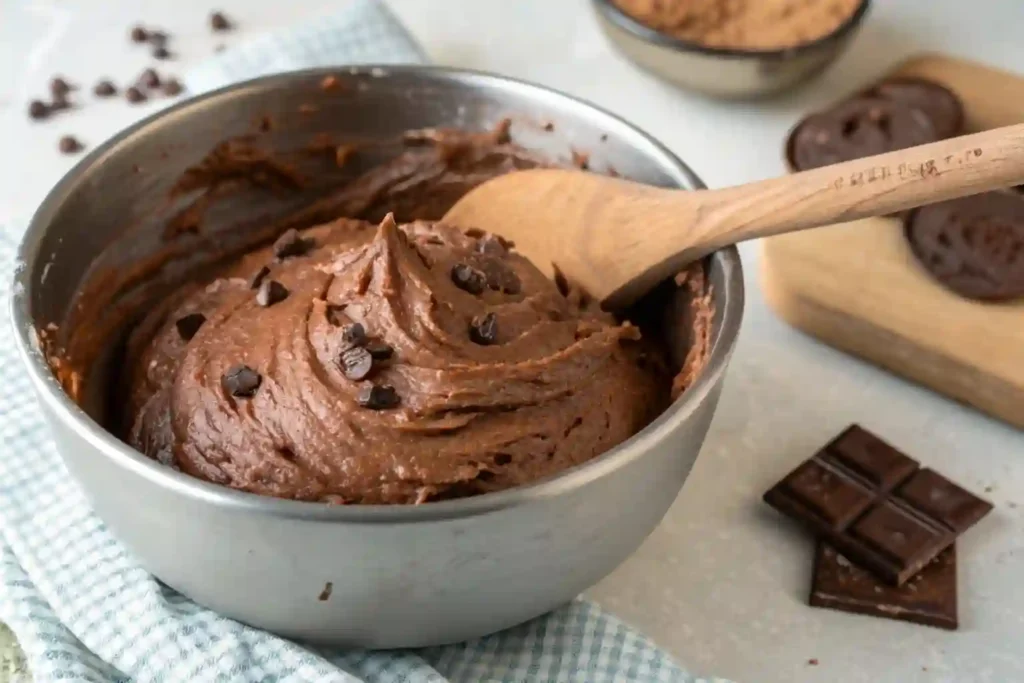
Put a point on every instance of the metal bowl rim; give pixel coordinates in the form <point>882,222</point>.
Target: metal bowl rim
<point>123,455</point>
<point>627,23</point>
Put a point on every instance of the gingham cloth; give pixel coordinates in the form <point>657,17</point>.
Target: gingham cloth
<point>83,610</point>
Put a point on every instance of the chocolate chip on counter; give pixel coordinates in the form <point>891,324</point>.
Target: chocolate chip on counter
<point>257,279</point>
<point>134,95</point>
<point>104,88</point>
<point>380,350</point>
<point>377,397</point>
<point>38,110</point>
<point>139,34</point>
<point>468,278</point>
<point>220,22</point>
<point>291,244</point>
<point>161,52</point>
<point>354,334</point>
<point>69,144</point>
<point>484,331</point>
<point>158,38</point>
<point>271,292</point>
<point>188,325</point>
<point>356,362</point>
<point>59,88</point>
<point>173,87</point>
<point>149,79</point>
<point>241,381</point>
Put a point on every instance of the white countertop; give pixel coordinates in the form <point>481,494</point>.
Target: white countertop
<point>723,581</point>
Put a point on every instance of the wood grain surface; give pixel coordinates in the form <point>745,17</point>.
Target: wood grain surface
<point>857,286</point>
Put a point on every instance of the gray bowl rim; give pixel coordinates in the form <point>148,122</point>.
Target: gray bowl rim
<point>123,455</point>
<point>625,22</point>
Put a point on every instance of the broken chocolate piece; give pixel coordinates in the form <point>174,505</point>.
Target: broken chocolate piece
<point>484,331</point>
<point>104,88</point>
<point>468,278</point>
<point>356,362</point>
<point>134,95</point>
<point>929,598</point>
<point>38,110</point>
<point>865,498</point>
<point>379,350</point>
<point>188,325</point>
<point>173,87</point>
<point>149,79</point>
<point>59,89</point>
<point>376,397</point>
<point>291,244</point>
<point>69,144</point>
<point>258,278</point>
<point>241,381</point>
<point>220,22</point>
<point>271,292</point>
<point>139,34</point>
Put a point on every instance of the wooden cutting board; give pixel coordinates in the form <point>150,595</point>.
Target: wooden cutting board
<point>857,287</point>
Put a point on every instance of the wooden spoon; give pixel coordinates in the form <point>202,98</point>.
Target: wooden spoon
<point>618,239</point>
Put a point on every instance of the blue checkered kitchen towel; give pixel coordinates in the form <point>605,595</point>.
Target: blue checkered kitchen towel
<point>83,610</point>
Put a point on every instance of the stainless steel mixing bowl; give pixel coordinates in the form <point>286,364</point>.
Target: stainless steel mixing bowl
<point>397,576</point>
<point>723,72</point>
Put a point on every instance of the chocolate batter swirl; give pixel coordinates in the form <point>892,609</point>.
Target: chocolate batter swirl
<point>390,364</point>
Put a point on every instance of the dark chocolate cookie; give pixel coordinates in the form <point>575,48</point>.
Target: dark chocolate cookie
<point>860,127</point>
<point>942,107</point>
<point>974,245</point>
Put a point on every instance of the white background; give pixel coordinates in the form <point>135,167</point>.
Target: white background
<point>723,581</point>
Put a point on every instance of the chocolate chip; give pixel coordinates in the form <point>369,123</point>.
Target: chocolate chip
<point>59,88</point>
<point>484,331</point>
<point>173,87</point>
<point>291,244</point>
<point>38,110</point>
<point>60,102</point>
<point>158,38</point>
<point>139,34</point>
<point>241,381</point>
<point>219,22</point>
<point>270,293</point>
<point>378,397</point>
<point>492,245</point>
<point>150,79</point>
<point>354,334</point>
<point>468,278</point>
<point>501,278</point>
<point>257,279</point>
<point>104,88</point>
<point>380,350</point>
<point>189,325</point>
<point>69,144</point>
<point>134,95</point>
<point>161,52</point>
<point>356,362</point>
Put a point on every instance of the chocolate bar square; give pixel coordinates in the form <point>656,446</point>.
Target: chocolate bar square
<point>929,598</point>
<point>875,504</point>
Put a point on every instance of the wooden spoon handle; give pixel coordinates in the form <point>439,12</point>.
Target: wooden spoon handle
<point>871,186</point>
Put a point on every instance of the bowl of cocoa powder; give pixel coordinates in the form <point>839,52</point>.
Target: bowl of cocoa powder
<point>732,48</point>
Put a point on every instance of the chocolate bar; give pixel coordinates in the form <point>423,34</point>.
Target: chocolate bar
<point>876,505</point>
<point>928,598</point>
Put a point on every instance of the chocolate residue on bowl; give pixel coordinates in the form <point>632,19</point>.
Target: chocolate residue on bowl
<point>471,372</point>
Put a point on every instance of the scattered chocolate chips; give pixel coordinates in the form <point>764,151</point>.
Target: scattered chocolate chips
<point>377,397</point>
<point>173,87</point>
<point>134,95</point>
<point>139,34</point>
<point>69,144</point>
<point>149,79</point>
<point>291,244</point>
<point>271,292</point>
<point>220,22</point>
<point>104,88</point>
<point>468,278</point>
<point>356,362</point>
<point>379,350</point>
<point>354,334</point>
<point>161,52</point>
<point>257,279</point>
<point>241,381</point>
<point>188,325</point>
<point>484,331</point>
<point>38,110</point>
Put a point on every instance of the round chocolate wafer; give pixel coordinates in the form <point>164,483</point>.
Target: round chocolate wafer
<point>860,127</point>
<point>941,105</point>
<point>974,245</point>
